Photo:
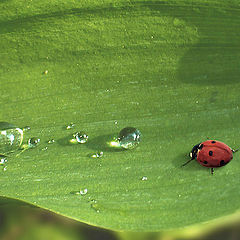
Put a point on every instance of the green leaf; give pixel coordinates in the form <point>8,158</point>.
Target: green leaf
<point>169,68</point>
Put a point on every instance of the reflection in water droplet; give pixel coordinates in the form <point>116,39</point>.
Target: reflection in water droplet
<point>11,137</point>
<point>79,137</point>
<point>129,137</point>
<point>33,142</point>
<point>144,178</point>
<point>97,155</point>
<point>70,126</point>
<point>51,141</point>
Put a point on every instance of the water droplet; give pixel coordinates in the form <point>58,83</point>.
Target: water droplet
<point>26,128</point>
<point>80,192</point>
<point>5,168</point>
<point>79,137</point>
<point>97,155</point>
<point>95,205</point>
<point>115,122</point>
<point>3,159</point>
<point>51,141</point>
<point>45,72</point>
<point>45,148</point>
<point>33,142</point>
<point>144,178</point>
<point>70,126</point>
<point>129,137</point>
<point>84,191</point>
<point>11,137</point>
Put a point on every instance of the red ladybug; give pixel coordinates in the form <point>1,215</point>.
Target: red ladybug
<point>211,154</point>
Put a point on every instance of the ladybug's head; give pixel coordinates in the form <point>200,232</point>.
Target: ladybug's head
<point>195,149</point>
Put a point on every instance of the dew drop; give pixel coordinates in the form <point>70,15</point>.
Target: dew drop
<point>129,137</point>
<point>26,128</point>
<point>84,191</point>
<point>97,155</point>
<point>95,205</point>
<point>5,168</point>
<point>11,137</point>
<point>45,72</point>
<point>70,126</point>
<point>79,137</point>
<point>51,141</point>
<point>144,178</point>
<point>33,142</point>
<point>3,159</point>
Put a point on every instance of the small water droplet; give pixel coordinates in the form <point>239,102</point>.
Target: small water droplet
<point>129,137</point>
<point>33,142</point>
<point>95,205</point>
<point>84,191</point>
<point>5,168</point>
<point>45,148</point>
<point>144,178</point>
<point>97,155</point>
<point>26,128</point>
<point>11,137</point>
<point>80,192</point>
<point>51,141</point>
<point>115,122</point>
<point>45,72</point>
<point>79,137</point>
<point>196,101</point>
<point>3,159</point>
<point>70,126</point>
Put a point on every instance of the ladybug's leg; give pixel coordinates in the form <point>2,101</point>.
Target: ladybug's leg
<point>234,150</point>
<point>212,171</point>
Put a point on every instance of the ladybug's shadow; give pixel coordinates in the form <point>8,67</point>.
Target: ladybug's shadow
<point>182,159</point>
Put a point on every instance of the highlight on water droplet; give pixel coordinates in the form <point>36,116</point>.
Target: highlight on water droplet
<point>11,137</point>
<point>97,155</point>
<point>79,137</point>
<point>33,142</point>
<point>5,168</point>
<point>70,126</point>
<point>129,137</point>
<point>144,178</point>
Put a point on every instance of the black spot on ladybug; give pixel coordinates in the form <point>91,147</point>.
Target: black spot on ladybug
<point>210,153</point>
<point>205,162</point>
<point>222,163</point>
<point>213,141</point>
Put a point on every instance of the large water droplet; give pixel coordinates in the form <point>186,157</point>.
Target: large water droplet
<point>11,137</point>
<point>129,137</point>
<point>33,142</point>
<point>79,137</point>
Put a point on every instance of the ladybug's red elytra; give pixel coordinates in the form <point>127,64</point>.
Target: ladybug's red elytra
<point>211,154</point>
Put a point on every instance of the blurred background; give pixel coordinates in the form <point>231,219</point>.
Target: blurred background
<point>20,221</point>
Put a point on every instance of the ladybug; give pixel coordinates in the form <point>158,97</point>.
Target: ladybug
<point>211,154</point>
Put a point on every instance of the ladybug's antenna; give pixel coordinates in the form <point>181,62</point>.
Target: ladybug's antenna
<point>187,162</point>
